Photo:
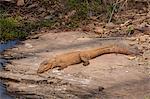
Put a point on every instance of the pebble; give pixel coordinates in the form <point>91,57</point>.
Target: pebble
<point>132,43</point>
<point>110,25</point>
<point>131,57</point>
<point>132,39</point>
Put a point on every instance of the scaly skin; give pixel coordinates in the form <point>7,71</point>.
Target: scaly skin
<point>65,60</point>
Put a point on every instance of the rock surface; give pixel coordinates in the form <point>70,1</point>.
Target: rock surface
<point>123,77</point>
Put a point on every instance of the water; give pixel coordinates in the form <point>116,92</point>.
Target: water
<point>3,46</point>
<point>7,45</point>
<point>3,93</point>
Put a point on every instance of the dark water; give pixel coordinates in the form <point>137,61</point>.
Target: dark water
<point>7,45</point>
<point>3,93</point>
<point>3,46</point>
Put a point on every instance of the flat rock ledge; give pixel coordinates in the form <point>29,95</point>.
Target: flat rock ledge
<point>121,76</point>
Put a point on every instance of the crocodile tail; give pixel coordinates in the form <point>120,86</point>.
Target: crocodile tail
<point>126,50</point>
<point>118,49</point>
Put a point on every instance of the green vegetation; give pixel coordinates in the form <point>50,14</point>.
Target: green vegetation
<point>10,28</point>
<point>146,97</point>
<point>46,23</point>
<point>130,30</point>
<point>14,28</point>
<point>72,25</point>
<point>85,8</point>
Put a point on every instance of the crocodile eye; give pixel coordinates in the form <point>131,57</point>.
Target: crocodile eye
<point>44,63</point>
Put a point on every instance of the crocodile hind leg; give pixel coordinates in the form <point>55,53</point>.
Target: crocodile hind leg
<point>62,66</point>
<point>84,59</point>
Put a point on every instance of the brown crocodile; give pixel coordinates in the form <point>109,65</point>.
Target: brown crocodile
<point>71,58</point>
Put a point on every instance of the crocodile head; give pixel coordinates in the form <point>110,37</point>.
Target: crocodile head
<point>45,66</point>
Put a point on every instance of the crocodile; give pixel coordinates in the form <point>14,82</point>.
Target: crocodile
<point>64,60</point>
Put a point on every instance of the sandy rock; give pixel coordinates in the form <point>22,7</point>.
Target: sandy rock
<point>28,45</point>
<point>120,76</point>
<point>99,30</point>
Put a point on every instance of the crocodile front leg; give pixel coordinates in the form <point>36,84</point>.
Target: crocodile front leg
<point>62,66</point>
<point>84,59</point>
